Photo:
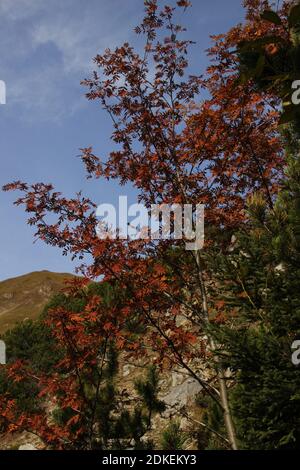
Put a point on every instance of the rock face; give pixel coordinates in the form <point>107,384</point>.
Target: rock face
<point>21,441</point>
<point>177,390</point>
<point>25,296</point>
<point>27,447</point>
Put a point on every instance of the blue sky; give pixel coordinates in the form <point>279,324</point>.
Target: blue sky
<point>46,48</point>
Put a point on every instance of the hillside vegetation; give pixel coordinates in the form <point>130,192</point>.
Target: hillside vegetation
<point>24,296</point>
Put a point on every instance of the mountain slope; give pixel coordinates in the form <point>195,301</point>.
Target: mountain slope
<point>25,296</point>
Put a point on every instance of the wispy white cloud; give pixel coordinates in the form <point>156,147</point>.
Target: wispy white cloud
<point>19,9</point>
<point>79,36</point>
<point>42,96</point>
<point>47,48</point>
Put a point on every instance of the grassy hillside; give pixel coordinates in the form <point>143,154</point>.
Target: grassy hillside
<point>25,296</point>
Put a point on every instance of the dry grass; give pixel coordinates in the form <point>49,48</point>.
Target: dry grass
<point>25,296</point>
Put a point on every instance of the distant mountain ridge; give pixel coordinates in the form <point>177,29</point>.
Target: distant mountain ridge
<point>25,296</point>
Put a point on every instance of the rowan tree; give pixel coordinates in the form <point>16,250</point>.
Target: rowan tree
<point>174,147</point>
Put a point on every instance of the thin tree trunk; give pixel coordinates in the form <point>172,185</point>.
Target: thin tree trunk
<point>229,425</point>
